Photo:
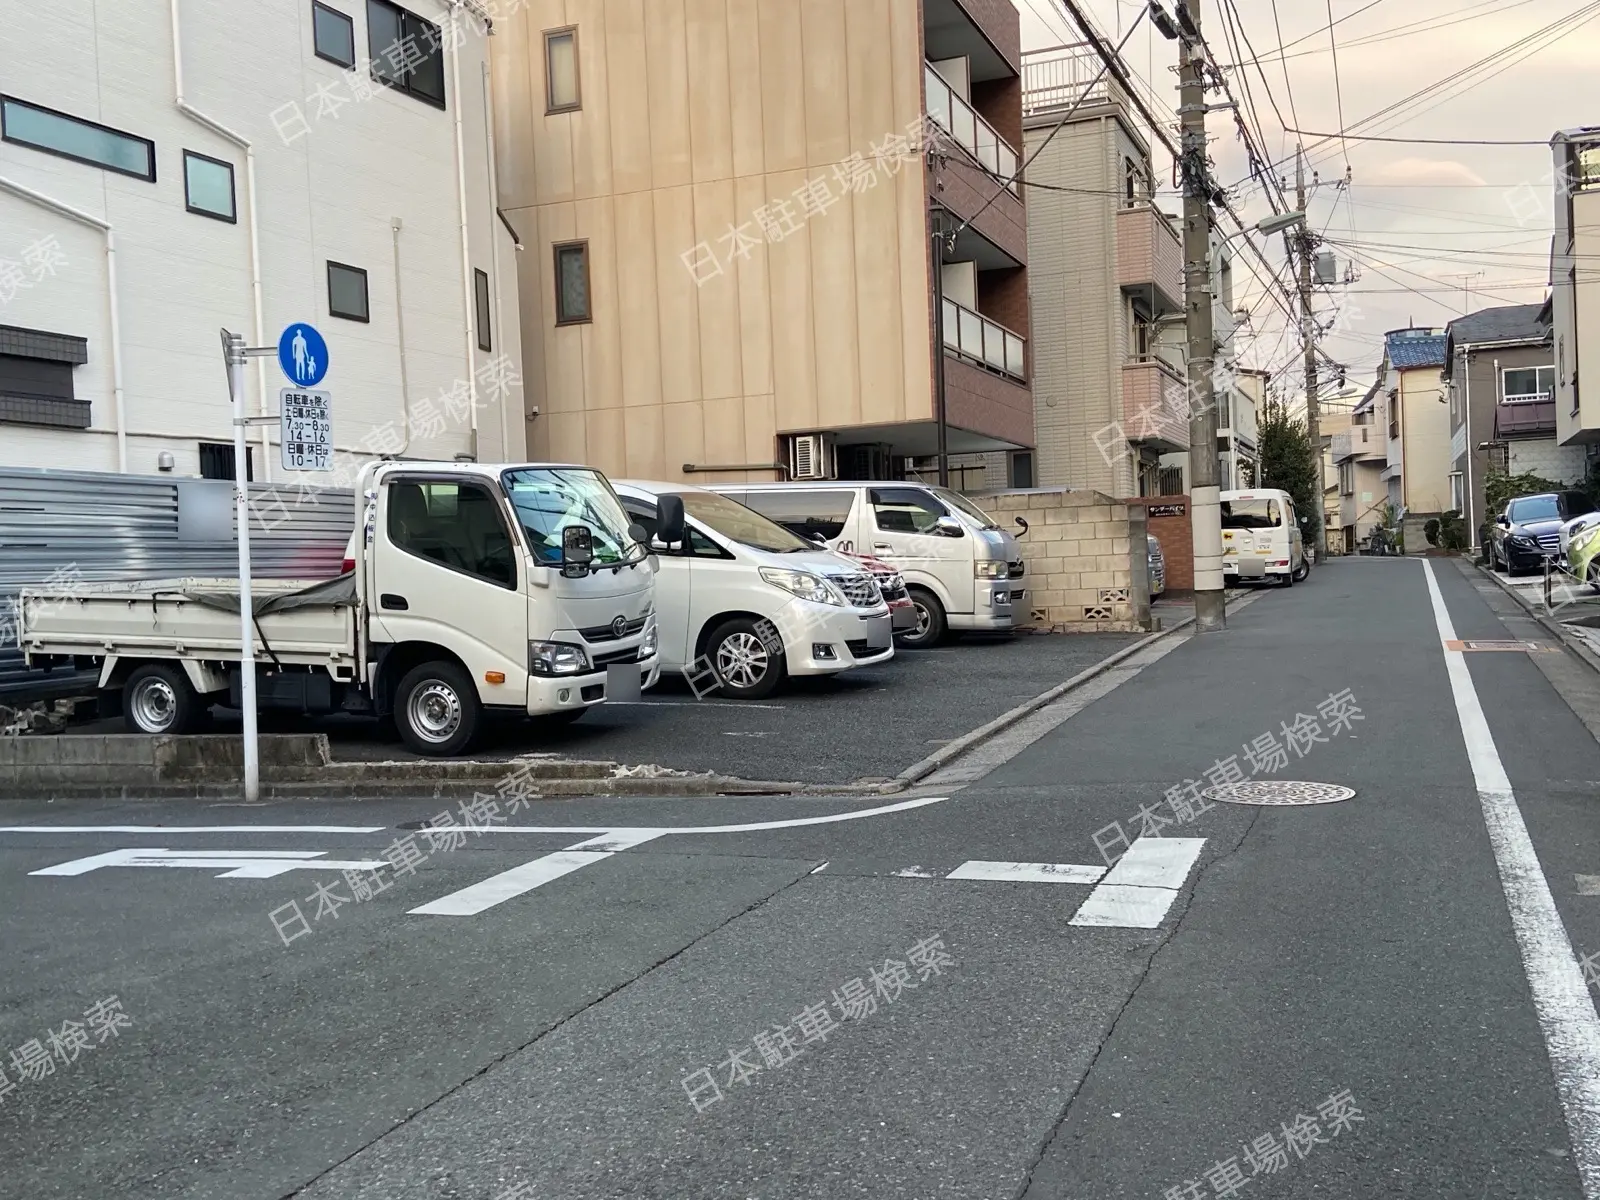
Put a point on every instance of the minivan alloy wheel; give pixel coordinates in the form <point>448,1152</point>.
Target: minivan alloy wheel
<point>742,660</point>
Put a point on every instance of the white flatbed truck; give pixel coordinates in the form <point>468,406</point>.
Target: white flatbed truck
<point>472,587</point>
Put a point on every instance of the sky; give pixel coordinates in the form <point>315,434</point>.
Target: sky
<point>1430,231</point>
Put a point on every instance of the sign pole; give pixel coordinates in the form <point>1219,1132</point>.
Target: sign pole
<point>234,352</point>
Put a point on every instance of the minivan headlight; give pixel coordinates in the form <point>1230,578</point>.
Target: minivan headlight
<point>991,568</point>
<point>804,584</point>
<point>556,658</point>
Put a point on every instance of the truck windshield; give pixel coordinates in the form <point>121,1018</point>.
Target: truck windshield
<point>740,524</point>
<point>959,502</point>
<point>549,499</point>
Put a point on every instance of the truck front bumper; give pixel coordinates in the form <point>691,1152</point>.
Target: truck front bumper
<point>548,695</point>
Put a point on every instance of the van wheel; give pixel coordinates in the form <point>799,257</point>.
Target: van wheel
<point>931,623</point>
<point>158,699</point>
<point>744,666</point>
<point>436,710</point>
<point>1304,573</point>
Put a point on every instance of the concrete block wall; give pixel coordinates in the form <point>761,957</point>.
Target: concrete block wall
<point>1082,574</point>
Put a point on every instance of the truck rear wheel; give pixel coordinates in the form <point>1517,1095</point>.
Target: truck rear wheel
<point>436,710</point>
<point>157,699</point>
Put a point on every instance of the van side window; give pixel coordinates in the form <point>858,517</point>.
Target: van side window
<point>903,510</point>
<point>456,525</point>
<point>805,514</point>
<point>644,513</point>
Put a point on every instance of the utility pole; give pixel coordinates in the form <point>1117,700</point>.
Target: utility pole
<point>1308,322</point>
<point>1205,497</point>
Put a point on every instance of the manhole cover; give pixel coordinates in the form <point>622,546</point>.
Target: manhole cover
<point>1278,791</point>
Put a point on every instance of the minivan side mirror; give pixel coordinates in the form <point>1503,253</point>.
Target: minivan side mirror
<point>671,528</point>
<point>577,550</point>
<point>949,527</point>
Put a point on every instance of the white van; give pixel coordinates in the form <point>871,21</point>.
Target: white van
<point>1261,537</point>
<point>962,569</point>
<point>748,600</point>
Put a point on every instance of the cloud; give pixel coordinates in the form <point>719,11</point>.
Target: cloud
<point>1420,171</point>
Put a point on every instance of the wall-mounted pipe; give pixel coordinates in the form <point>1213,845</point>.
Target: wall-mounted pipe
<point>468,300</point>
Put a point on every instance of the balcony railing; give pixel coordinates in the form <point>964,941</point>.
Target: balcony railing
<point>984,342</point>
<point>971,132</point>
<point>1524,417</point>
<point>1056,78</point>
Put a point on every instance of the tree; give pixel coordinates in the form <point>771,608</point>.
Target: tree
<point>1289,464</point>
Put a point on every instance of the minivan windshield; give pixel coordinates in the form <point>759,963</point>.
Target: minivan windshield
<point>959,502</point>
<point>740,524</point>
<point>549,499</point>
<point>1251,514</point>
<point>1533,508</point>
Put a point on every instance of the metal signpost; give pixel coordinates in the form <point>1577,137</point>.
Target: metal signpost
<point>306,419</point>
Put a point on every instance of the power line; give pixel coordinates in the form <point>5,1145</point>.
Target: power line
<point>1342,135</point>
<point>1409,29</point>
<point>1287,86</point>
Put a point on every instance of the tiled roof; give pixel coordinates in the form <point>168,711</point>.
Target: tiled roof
<point>1409,351</point>
<point>1509,323</point>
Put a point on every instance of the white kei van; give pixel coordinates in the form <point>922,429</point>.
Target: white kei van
<point>1261,538</point>
<point>962,569</point>
<point>747,599</point>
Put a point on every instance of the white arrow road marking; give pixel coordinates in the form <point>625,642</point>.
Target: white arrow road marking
<point>1138,891</point>
<point>164,830</point>
<point>237,864</point>
<point>497,889</point>
<point>1015,872</point>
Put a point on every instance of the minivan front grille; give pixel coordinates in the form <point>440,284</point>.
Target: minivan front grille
<point>1016,570</point>
<point>860,590</point>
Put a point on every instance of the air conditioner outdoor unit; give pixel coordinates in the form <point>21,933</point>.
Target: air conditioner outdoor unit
<point>813,456</point>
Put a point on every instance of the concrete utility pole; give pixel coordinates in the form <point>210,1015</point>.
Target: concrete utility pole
<point>1205,505</point>
<point>1308,321</point>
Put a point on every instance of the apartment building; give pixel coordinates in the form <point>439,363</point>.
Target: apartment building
<point>1237,432</point>
<point>1502,386</point>
<point>1413,407</point>
<point>729,208</point>
<point>1359,454</point>
<point>1575,287</point>
<point>158,184</point>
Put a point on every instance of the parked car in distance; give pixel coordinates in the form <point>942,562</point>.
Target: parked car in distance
<point>902,612</point>
<point>743,597</point>
<point>1158,567</point>
<point>1528,531</point>
<point>1261,538</point>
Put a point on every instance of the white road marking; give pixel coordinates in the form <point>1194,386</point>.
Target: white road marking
<point>756,827</point>
<point>237,864</point>
<point>497,889</point>
<point>1560,998</point>
<point>1588,885</point>
<point>914,873</point>
<point>1137,892</point>
<point>163,830</point>
<point>1018,872</point>
<point>691,704</point>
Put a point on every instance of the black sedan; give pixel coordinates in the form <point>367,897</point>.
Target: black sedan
<point>1529,530</point>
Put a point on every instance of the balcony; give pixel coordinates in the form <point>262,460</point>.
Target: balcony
<point>1056,78</point>
<point>984,343</point>
<point>1515,417</point>
<point>1155,405</point>
<point>1150,258</point>
<point>970,131</point>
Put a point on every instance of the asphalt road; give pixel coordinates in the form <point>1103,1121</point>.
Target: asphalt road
<point>1351,971</point>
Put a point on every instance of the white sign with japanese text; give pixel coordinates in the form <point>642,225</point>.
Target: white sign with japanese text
<point>307,429</point>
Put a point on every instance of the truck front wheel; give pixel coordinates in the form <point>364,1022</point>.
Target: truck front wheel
<point>436,710</point>
<point>158,699</point>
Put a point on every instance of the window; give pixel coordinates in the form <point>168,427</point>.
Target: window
<point>1526,385</point>
<point>1251,514</point>
<point>1394,413</point>
<point>1169,481</point>
<point>1534,508</point>
<point>208,186</point>
<point>456,525</point>
<point>572,283</point>
<point>216,461</point>
<point>407,52</point>
<point>906,511</point>
<point>36,378</point>
<point>1347,478</point>
<point>1456,502</point>
<point>333,35</point>
<point>806,514</point>
<point>561,70</point>
<point>347,292</point>
<point>1143,337</point>
<point>1022,469</point>
<point>71,137</point>
<point>480,293</point>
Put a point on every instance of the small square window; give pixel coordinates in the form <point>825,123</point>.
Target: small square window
<point>208,186</point>
<point>572,283</point>
<point>480,292</point>
<point>561,70</point>
<point>347,292</point>
<point>333,34</point>
<point>217,461</point>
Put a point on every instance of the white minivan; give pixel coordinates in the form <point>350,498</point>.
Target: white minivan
<point>748,600</point>
<point>962,569</point>
<point>1261,538</point>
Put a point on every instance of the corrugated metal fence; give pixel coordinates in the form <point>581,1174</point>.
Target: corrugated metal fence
<point>63,528</point>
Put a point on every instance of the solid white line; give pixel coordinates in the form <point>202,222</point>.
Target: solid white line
<point>166,829</point>
<point>792,823</point>
<point>1560,998</point>
<point>497,889</point>
<point>1122,907</point>
<point>1160,862</point>
<point>1019,872</point>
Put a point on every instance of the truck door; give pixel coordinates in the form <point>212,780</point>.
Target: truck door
<point>446,569</point>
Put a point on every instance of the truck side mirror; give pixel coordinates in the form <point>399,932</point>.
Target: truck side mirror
<point>672,526</point>
<point>948,527</point>
<point>577,549</point>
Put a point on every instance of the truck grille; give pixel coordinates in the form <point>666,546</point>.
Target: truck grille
<point>604,633</point>
<point>633,654</point>
<point>860,590</point>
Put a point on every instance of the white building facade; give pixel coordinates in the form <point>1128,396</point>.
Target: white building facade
<point>172,167</point>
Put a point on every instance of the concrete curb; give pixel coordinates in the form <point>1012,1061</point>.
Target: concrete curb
<point>1567,639</point>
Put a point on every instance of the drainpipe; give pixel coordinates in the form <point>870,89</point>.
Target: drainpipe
<point>400,335</point>
<point>1472,446</point>
<point>494,257</point>
<point>469,303</point>
<point>251,224</point>
<point>113,313</point>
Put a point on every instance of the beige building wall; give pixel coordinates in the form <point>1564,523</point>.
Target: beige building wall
<point>1080,331</point>
<point>1577,323</point>
<point>1425,421</point>
<point>695,114</point>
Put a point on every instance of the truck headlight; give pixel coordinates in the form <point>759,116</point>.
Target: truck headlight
<point>556,658</point>
<point>804,584</point>
<point>647,648</point>
<point>991,568</point>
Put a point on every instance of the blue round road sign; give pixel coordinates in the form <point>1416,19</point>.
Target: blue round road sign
<point>303,355</point>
